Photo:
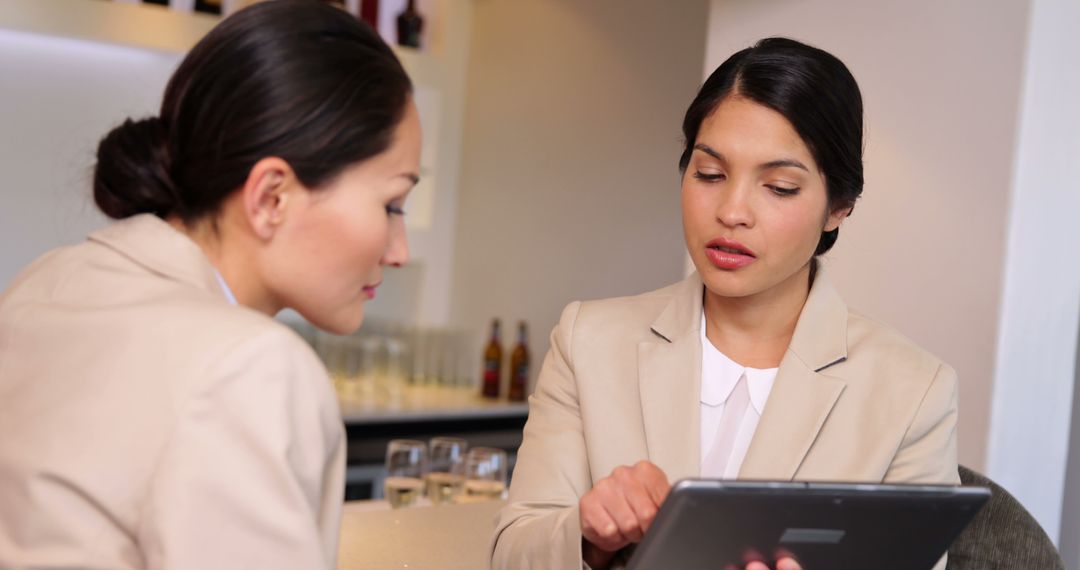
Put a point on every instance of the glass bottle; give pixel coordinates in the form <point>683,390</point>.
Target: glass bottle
<point>409,26</point>
<point>519,365</point>
<point>492,362</point>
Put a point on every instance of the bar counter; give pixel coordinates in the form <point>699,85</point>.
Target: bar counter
<point>444,537</point>
<point>422,412</point>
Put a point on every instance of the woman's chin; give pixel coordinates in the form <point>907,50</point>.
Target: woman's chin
<point>728,284</point>
<point>727,292</point>
<point>342,322</point>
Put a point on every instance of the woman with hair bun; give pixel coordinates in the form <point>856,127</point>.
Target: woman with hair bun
<point>155,415</point>
<point>751,368</point>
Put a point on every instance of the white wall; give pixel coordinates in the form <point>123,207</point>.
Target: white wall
<point>923,250</point>
<point>570,185</point>
<point>441,76</point>
<point>1070,516</point>
<point>1036,360</point>
<point>60,97</point>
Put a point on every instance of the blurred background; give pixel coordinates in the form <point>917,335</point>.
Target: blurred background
<point>552,135</point>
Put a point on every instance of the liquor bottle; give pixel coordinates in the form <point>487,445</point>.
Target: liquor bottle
<point>493,362</point>
<point>519,365</point>
<point>409,25</point>
<point>369,12</point>
<point>208,6</point>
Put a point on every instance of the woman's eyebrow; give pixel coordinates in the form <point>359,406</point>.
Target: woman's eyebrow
<point>709,151</point>
<point>778,163</point>
<point>783,163</point>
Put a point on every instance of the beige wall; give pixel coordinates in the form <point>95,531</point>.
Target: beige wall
<point>924,249</point>
<point>569,182</point>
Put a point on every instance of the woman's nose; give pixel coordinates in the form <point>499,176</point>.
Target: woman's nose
<point>734,208</point>
<point>397,251</point>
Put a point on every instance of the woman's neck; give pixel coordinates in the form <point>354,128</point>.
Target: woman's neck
<point>755,331</point>
<point>221,246</point>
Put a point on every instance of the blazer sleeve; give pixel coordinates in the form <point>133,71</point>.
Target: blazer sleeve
<point>252,476</point>
<point>927,453</point>
<point>540,528</point>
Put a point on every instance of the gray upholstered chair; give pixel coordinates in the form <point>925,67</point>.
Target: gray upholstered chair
<point>1002,536</point>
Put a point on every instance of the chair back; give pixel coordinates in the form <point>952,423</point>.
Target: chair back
<point>1003,535</point>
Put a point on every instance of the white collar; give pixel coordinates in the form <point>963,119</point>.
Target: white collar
<point>723,373</point>
<point>225,288</point>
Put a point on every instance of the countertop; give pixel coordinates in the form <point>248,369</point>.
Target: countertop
<point>445,537</point>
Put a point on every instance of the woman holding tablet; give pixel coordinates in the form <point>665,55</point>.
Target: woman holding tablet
<point>155,415</point>
<point>751,368</point>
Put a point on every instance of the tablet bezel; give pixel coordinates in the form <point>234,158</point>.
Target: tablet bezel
<point>942,512</point>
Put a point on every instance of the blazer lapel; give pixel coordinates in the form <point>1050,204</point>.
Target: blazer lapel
<point>669,376</point>
<point>800,401</point>
<point>802,397</point>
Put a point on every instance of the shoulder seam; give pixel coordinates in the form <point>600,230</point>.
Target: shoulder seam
<point>572,329</point>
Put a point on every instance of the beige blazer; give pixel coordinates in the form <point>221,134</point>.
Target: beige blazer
<point>852,401</point>
<point>147,423</point>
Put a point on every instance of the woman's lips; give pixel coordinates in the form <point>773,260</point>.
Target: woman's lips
<point>728,254</point>
<point>369,290</point>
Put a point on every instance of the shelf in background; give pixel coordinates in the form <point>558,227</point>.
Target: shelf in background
<point>142,26</point>
<point>432,404</point>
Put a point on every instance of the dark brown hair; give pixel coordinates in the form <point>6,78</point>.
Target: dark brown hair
<point>294,79</point>
<point>814,91</point>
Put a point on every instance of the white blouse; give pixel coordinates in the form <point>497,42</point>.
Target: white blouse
<point>719,374</point>
<point>225,288</point>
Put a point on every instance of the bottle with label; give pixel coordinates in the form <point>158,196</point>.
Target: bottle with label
<point>519,365</point>
<point>409,25</point>
<point>493,362</point>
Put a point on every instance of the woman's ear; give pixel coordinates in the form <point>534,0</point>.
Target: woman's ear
<point>265,195</point>
<point>837,217</point>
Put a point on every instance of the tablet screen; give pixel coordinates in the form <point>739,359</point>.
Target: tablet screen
<point>716,524</point>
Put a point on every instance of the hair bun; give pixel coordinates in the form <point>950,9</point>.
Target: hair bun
<point>132,175</point>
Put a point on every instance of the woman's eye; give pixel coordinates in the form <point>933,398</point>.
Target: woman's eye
<point>708,177</point>
<point>783,190</point>
<point>392,210</point>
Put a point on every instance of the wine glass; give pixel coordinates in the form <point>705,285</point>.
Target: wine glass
<point>485,473</point>
<point>406,463</point>
<point>446,469</point>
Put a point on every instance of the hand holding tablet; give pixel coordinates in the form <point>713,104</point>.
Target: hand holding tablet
<point>709,523</point>
<point>620,508</point>
<point>784,563</point>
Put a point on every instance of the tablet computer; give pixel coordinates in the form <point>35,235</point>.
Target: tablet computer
<point>716,524</point>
